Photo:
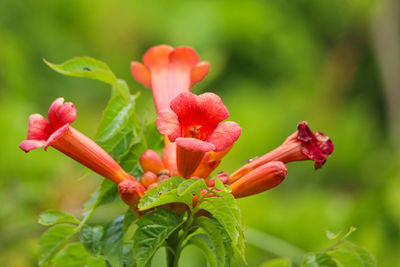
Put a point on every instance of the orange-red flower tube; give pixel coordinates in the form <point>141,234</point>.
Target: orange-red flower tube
<point>259,180</point>
<point>59,134</point>
<point>169,72</point>
<point>303,144</point>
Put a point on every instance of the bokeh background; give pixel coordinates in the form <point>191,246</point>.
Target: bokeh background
<point>334,63</point>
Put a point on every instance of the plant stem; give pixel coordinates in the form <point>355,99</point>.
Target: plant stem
<point>175,243</point>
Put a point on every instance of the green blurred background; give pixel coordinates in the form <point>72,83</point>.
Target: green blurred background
<point>334,63</point>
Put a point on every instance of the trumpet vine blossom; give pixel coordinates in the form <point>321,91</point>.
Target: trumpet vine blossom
<point>58,133</point>
<point>169,72</point>
<point>194,123</point>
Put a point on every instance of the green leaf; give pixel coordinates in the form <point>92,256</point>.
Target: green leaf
<point>129,161</point>
<point>226,211</point>
<point>214,236</point>
<point>116,117</point>
<point>153,137</point>
<point>87,67</point>
<point>52,217</point>
<point>107,192</point>
<point>191,186</point>
<point>349,254</point>
<point>90,237</point>
<point>204,242</point>
<point>153,229</point>
<point>75,255</point>
<point>53,240</point>
<point>332,234</point>
<point>129,218</point>
<point>164,193</point>
<point>112,242</point>
<point>283,262</point>
<point>128,259</point>
<point>318,260</point>
<point>227,241</point>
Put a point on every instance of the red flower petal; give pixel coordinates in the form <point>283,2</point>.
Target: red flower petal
<point>199,72</point>
<point>224,135</point>
<point>28,145</point>
<point>194,145</point>
<point>167,123</point>
<point>39,128</point>
<point>211,109</point>
<point>157,57</point>
<point>324,143</point>
<point>141,73</point>
<point>66,113</point>
<point>185,107</point>
<point>184,57</point>
<point>52,114</point>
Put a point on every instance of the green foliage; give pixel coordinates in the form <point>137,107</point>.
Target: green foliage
<point>153,229</point>
<point>91,237</point>
<point>53,240</point>
<point>52,217</point>
<point>341,254</point>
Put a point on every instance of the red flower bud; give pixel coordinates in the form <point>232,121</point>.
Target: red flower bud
<point>260,179</point>
<point>151,161</point>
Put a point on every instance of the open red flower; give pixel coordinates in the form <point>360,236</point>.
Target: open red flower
<point>194,124</point>
<point>169,72</point>
<point>59,134</point>
<point>303,144</point>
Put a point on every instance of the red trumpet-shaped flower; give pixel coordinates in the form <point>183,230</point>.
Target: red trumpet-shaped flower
<point>303,144</point>
<point>260,179</point>
<point>59,134</point>
<point>169,72</point>
<point>194,124</point>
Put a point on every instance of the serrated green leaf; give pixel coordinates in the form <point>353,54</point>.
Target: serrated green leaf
<point>53,240</point>
<point>87,67</point>
<point>129,161</point>
<point>191,186</point>
<point>283,262</point>
<point>227,241</point>
<point>153,137</point>
<point>128,259</point>
<point>75,255</point>
<point>52,217</point>
<point>318,260</point>
<point>214,235</point>
<point>204,242</point>
<point>91,237</point>
<point>153,229</point>
<point>112,242</point>
<point>164,193</point>
<point>349,254</point>
<point>115,117</point>
<point>226,211</point>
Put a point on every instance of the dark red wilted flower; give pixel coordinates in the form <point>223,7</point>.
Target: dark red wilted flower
<point>59,134</point>
<point>303,144</point>
<point>169,72</point>
<point>194,124</point>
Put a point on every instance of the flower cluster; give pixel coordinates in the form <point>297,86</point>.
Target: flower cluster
<point>196,135</point>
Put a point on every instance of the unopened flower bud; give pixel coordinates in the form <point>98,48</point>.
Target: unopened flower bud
<point>151,161</point>
<point>260,179</point>
<point>148,178</point>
